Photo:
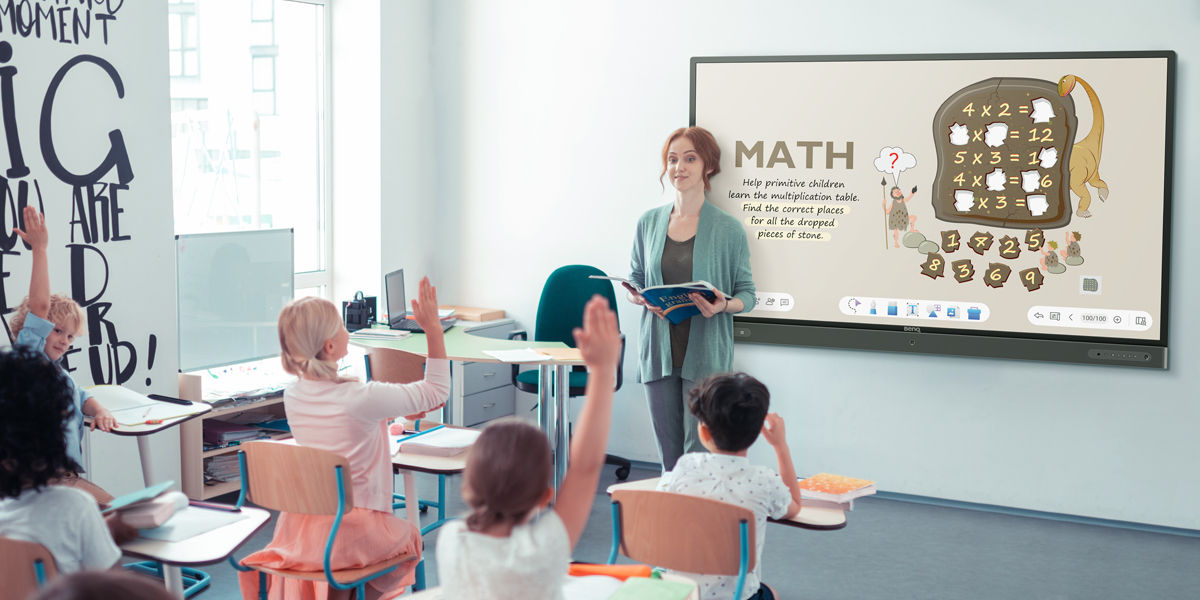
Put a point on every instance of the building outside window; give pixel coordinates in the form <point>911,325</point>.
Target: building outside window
<point>250,122</point>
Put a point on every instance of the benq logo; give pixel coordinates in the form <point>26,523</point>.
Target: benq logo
<point>911,329</point>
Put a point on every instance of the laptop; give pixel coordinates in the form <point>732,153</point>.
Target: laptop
<point>393,287</point>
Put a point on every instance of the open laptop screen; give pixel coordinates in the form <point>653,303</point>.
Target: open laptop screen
<point>393,287</point>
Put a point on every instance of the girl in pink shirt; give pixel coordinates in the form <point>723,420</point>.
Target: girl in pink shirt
<point>346,416</point>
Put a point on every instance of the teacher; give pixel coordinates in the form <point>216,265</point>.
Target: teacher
<point>687,240</point>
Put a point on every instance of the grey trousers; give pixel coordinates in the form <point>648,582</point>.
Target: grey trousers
<point>674,425</point>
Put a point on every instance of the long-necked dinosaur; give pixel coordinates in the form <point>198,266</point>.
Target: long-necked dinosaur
<point>1085,154</point>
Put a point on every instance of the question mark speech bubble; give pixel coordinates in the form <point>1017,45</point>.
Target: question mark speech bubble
<point>894,160</point>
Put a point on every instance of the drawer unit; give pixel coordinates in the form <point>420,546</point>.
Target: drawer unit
<point>483,391</point>
<point>480,377</point>
<point>487,405</point>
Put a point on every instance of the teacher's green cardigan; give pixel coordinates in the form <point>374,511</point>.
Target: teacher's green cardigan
<point>721,256</point>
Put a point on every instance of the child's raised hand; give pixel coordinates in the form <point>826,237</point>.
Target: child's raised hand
<point>599,340</point>
<point>773,430</point>
<point>35,229</point>
<point>425,306</point>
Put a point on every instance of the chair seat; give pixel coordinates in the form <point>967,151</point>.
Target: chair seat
<point>343,576</point>
<point>527,381</point>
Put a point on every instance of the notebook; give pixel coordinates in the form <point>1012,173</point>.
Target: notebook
<point>393,287</point>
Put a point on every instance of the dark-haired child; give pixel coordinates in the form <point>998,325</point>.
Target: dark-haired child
<point>732,410</point>
<point>34,401</point>
<point>509,546</point>
<point>49,324</point>
<point>104,585</point>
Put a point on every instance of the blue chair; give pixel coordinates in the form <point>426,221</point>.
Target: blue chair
<point>25,568</point>
<point>295,479</point>
<point>682,532</point>
<point>560,311</point>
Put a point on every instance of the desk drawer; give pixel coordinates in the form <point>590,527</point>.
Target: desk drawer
<point>492,329</point>
<point>488,405</point>
<point>479,377</point>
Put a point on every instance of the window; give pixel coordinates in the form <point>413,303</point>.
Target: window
<point>181,36</point>
<point>250,132</point>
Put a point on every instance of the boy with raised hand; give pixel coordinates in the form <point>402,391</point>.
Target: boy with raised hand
<point>732,409</point>
<point>49,324</point>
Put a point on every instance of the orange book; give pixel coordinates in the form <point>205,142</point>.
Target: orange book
<point>835,488</point>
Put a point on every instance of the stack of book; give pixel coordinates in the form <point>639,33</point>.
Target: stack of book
<point>825,489</point>
<point>222,433</point>
<point>221,468</point>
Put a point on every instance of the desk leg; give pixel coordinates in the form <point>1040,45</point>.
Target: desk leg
<point>412,501</point>
<point>562,443</point>
<point>172,576</point>
<point>173,579</point>
<point>143,442</point>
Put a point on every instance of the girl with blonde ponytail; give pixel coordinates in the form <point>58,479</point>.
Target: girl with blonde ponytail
<point>341,414</point>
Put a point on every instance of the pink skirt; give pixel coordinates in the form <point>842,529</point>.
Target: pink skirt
<point>365,537</point>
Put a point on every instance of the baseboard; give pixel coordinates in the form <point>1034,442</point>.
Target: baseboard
<point>1037,514</point>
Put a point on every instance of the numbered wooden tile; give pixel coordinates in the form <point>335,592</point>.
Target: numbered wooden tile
<point>1010,247</point>
<point>963,270</point>
<point>934,266</point>
<point>981,241</point>
<point>951,241</point>
<point>1035,239</point>
<point>996,275</point>
<point>1031,278</point>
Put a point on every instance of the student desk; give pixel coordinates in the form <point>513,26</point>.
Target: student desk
<point>552,379</point>
<point>206,548</point>
<point>410,463</point>
<point>821,518</point>
<point>172,573</point>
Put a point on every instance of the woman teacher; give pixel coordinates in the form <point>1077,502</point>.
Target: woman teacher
<point>687,240</point>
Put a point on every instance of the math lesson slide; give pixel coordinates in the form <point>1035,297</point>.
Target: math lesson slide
<point>1016,195</point>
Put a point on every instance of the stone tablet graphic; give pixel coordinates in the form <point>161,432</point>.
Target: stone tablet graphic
<point>1038,137</point>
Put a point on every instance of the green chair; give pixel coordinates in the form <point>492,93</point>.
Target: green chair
<point>560,311</point>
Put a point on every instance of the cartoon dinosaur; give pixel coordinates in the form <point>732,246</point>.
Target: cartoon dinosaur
<point>1085,155</point>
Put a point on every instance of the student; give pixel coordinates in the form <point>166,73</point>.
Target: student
<point>509,546</point>
<point>348,417</point>
<point>49,324</point>
<point>103,585</point>
<point>67,521</point>
<point>731,410</point>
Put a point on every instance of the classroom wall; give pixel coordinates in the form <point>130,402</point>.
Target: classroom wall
<point>548,118</point>
<point>110,223</point>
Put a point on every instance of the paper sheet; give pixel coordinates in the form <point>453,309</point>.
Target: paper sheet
<point>190,522</point>
<point>517,356</point>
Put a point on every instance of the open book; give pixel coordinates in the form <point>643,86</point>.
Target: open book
<point>440,441</point>
<point>130,407</point>
<point>835,488</point>
<point>673,299</point>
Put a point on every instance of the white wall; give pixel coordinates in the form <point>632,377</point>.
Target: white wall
<point>134,271</point>
<point>356,148</point>
<point>548,122</point>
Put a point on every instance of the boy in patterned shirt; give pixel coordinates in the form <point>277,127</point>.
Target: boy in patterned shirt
<point>732,410</point>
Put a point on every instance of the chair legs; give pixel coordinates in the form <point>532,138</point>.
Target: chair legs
<point>623,466</point>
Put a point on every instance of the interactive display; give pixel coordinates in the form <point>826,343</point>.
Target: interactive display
<point>993,205</point>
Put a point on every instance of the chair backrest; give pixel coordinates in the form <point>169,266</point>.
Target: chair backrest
<point>394,366</point>
<point>560,308</point>
<point>683,532</point>
<point>19,567</point>
<point>292,478</point>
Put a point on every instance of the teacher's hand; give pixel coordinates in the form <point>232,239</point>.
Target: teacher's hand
<point>637,299</point>
<point>708,309</point>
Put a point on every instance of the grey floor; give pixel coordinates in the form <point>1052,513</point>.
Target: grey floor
<point>896,549</point>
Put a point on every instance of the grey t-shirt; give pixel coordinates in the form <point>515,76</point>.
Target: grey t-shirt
<point>677,268</point>
<point>66,521</point>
